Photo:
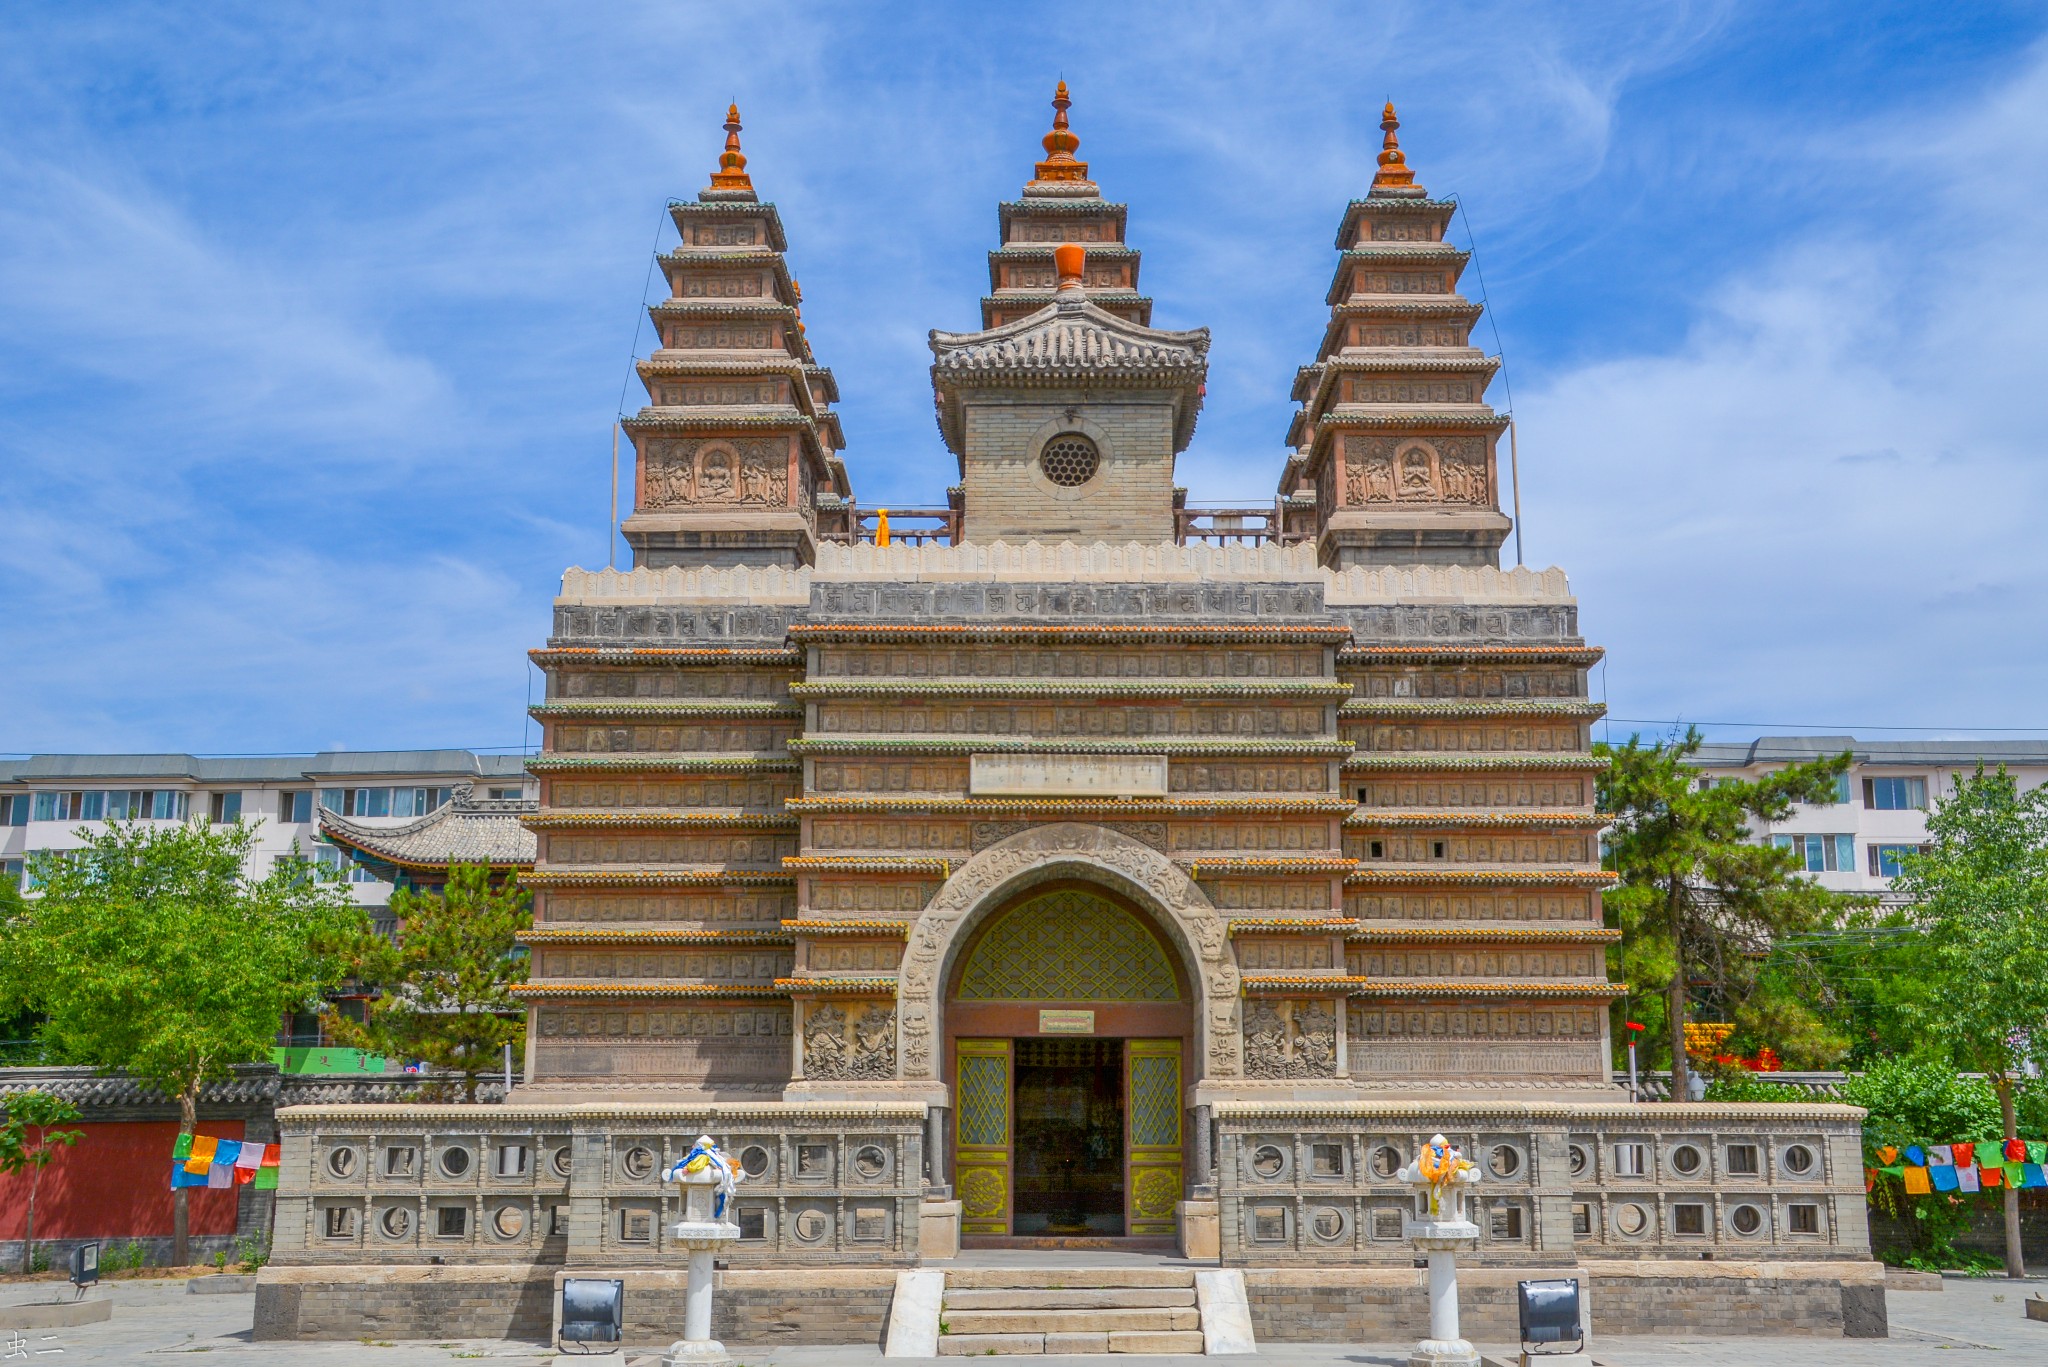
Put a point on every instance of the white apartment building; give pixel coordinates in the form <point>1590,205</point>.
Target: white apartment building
<point>1880,811</point>
<point>46,799</point>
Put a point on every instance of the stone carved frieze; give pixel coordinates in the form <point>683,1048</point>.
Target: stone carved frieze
<point>1290,1039</point>
<point>1408,470</point>
<point>855,1044</point>
<point>1068,850</point>
<point>751,471</point>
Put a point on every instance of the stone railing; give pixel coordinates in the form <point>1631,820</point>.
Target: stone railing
<point>1001,562</point>
<point>582,1184</point>
<point>1317,1183</point>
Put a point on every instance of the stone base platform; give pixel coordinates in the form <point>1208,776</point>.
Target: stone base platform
<point>850,1306</point>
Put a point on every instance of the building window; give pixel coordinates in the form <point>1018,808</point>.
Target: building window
<point>1582,1219</point>
<point>451,1222</point>
<point>1895,794</point>
<point>1631,1160</point>
<point>1505,1223</point>
<point>1803,1219</point>
<point>1884,859</point>
<point>14,810</point>
<point>53,806</point>
<point>1742,1160</point>
<point>1689,1219</point>
<point>1820,853</point>
<point>10,872</point>
<point>1841,787</point>
<point>506,794</point>
<point>341,1222</point>
<point>295,808</point>
<point>1069,460</point>
<point>227,808</point>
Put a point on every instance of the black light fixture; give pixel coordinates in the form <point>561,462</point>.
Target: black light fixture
<point>1550,1312</point>
<point>593,1310</point>
<point>85,1265</point>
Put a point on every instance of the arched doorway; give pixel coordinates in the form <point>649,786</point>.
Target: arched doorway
<point>1069,1020</point>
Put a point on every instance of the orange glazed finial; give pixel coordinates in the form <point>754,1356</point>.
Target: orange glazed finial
<point>1059,163</point>
<point>732,165</point>
<point>1393,173</point>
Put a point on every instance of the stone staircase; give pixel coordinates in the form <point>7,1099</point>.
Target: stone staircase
<point>1084,1310</point>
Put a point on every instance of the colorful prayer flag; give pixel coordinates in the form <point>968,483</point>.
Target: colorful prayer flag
<point>2037,1151</point>
<point>2015,1151</point>
<point>226,1152</point>
<point>1966,1178</point>
<point>1942,1176</point>
<point>1916,1180</point>
<point>182,1178</point>
<point>1966,1154</point>
<point>1889,1154</point>
<point>2033,1175</point>
<point>203,1146</point>
<point>266,1179</point>
<point>1916,1155</point>
<point>1941,1155</point>
<point>182,1150</point>
<point>273,1154</point>
<point>197,1166</point>
<point>251,1157</point>
<point>1993,1177</point>
<point>220,1175</point>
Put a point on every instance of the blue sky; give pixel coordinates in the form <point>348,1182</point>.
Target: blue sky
<point>313,319</point>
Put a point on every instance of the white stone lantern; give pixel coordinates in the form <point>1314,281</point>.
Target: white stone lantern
<point>707,1176</point>
<point>1441,1229</point>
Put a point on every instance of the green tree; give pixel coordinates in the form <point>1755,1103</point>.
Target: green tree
<point>28,1141</point>
<point>445,986</point>
<point>150,950</point>
<point>1702,902</point>
<point>1980,894</point>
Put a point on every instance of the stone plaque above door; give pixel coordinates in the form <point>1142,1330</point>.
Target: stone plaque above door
<point>1067,776</point>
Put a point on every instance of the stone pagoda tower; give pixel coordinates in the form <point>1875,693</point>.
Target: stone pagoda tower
<point>736,452</point>
<point>1394,439</point>
<point>1067,410</point>
<point>1060,204</point>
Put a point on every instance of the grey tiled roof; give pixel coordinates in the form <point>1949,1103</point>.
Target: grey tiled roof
<point>328,764</point>
<point>468,830</point>
<point>1795,749</point>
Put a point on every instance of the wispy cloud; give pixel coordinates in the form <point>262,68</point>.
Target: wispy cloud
<point>312,321</point>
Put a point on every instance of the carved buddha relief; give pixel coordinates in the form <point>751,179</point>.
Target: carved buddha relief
<point>1415,474</point>
<point>717,480</point>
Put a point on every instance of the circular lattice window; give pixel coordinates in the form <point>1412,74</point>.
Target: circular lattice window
<point>1069,460</point>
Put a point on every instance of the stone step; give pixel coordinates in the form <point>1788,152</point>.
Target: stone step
<point>1048,1320</point>
<point>1071,1298</point>
<point>1063,1279</point>
<point>1112,1341</point>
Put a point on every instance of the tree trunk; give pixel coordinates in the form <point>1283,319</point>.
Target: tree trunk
<point>2015,1257</point>
<point>181,1211</point>
<point>469,1087</point>
<point>1674,998</point>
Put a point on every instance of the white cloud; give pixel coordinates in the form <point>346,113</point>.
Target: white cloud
<point>1824,508</point>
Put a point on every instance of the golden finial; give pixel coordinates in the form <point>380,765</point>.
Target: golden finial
<point>732,164</point>
<point>1059,163</point>
<point>1393,173</point>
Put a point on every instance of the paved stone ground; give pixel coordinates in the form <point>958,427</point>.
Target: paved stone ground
<point>1966,1321</point>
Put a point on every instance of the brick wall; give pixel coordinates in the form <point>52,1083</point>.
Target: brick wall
<point>1130,498</point>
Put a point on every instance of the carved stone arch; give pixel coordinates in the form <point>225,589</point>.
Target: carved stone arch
<point>1070,850</point>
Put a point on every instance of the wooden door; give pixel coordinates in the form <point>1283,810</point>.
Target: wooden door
<point>1152,1093</point>
<point>982,1134</point>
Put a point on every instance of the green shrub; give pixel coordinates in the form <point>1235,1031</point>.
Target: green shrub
<point>1918,1101</point>
<point>1750,1087</point>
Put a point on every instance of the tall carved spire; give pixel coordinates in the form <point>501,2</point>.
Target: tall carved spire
<point>730,179</point>
<point>737,449</point>
<point>1393,177</point>
<point>1394,443</point>
<point>1060,165</point>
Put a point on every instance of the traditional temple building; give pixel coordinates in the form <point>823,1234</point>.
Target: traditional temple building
<point>1066,875</point>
